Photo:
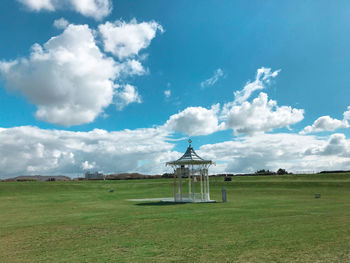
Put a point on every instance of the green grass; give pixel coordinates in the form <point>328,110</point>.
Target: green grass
<point>266,219</point>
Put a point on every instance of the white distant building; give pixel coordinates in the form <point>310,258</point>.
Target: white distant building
<point>194,169</point>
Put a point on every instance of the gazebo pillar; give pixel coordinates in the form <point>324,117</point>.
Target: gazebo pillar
<point>204,185</point>
<point>201,180</point>
<point>175,177</point>
<point>189,186</point>
<point>180,185</point>
<point>207,175</point>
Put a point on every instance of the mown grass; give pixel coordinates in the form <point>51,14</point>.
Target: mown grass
<point>266,219</point>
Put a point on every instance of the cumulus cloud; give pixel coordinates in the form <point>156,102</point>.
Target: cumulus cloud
<point>244,117</point>
<point>132,67</point>
<point>88,166</point>
<point>30,150</point>
<point>260,115</point>
<point>212,80</point>
<point>70,79</point>
<point>326,123</point>
<point>97,9</point>
<point>263,76</point>
<point>195,121</point>
<point>346,114</point>
<point>337,144</point>
<point>273,151</point>
<point>60,23</point>
<point>126,95</point>
<point>127,39</point>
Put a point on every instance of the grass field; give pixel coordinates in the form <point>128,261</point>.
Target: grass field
<point>266,219</point>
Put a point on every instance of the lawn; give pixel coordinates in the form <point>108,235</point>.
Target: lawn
<point>266,219</point>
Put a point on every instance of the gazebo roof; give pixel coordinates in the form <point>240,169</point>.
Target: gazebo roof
<point>190,157</point>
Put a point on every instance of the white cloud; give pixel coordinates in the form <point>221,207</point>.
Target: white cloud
<point>88,166</point>
<point>126,95</point>
<point>61,23</point>
<point>167,93</point>
<point>97,9</point>
<point>346,114</point>
<point>263,76</point>
<point>337,144</point>
<point>195,121</point>
<point>30,150</point>
<point>70,79</point>
<point>37,5</point>
<point>127,39</point>
<point>132,67</point>
<point>325,123</point>
<point>261,115</point>
<point>274,151</point>
<point>212,80</point>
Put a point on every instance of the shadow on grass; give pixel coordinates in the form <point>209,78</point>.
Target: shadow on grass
<point>160,203</point>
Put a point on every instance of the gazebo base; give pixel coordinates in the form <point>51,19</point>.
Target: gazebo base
<point>187,200</point>
<point>171,200</point>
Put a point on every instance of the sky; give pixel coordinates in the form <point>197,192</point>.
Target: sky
<point>120,86</point>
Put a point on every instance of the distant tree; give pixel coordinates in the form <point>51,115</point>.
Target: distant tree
<point>167,175</point>
<point>264,172</point>
<point>281,171</point>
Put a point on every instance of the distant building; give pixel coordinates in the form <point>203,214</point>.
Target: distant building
<point>94,176</point>
<point>41,178</point>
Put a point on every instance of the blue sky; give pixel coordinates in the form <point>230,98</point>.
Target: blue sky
<point>130,81</point>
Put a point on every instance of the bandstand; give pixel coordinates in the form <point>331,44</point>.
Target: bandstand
<point>191,170</point>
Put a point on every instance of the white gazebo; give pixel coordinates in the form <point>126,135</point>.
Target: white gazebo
<point>195,169</point>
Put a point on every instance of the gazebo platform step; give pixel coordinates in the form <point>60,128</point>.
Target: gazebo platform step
<point>187,200</point>
<point>171,200</point>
